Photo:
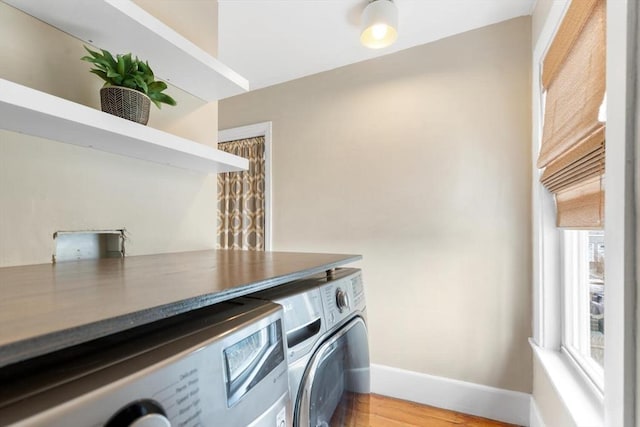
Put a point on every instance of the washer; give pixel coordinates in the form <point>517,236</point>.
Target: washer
<point>223,365</point>
<point>327,347</point>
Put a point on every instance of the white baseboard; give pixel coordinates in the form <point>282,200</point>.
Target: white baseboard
<point>469,398</point>
<point>535,418</point>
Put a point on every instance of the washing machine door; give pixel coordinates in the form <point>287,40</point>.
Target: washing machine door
<point>335,387</point>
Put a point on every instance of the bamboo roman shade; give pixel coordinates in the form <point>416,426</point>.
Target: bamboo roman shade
<point>573,140</point>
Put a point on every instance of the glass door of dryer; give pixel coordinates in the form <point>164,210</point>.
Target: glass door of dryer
<point>335,388</point>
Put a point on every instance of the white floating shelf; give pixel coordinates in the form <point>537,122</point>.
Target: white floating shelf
<point>36,113</point>
<point>121,26</point>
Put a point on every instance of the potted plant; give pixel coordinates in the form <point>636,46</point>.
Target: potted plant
<point>130,85</point>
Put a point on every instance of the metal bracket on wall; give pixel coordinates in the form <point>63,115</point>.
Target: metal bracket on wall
<point>88,244</point>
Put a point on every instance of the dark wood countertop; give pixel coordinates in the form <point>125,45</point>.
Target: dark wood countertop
<point>47,307</point>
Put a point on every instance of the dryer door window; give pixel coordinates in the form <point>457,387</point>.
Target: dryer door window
<point>335,389</point>
<point>248,361</point>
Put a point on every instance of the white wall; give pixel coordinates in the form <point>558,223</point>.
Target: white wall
<point>420,161</point>
<point>47,186</point>
<point>551,408</point>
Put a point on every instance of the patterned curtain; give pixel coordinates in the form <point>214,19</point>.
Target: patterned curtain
<point>241,202</point>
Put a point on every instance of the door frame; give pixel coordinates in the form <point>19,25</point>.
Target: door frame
<point>252,131</point>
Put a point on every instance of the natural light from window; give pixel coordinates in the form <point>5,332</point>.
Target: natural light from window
<point>596,294</point>
<point>584,257</point>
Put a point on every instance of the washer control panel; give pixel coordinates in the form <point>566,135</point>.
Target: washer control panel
<point>343,296</point>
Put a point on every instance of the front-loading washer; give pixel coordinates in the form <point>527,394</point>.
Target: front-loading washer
<point>222,365</point>
<point>327,348</point>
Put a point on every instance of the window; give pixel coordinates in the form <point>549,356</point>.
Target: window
<point>572,156</point>
<point>572,386</point>
<point>583,265</point>
<point>572,130</point>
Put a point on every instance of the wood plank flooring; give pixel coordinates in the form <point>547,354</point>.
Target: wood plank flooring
<point>380,411</point>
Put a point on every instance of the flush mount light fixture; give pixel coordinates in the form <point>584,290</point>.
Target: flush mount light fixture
<point>379,24</point>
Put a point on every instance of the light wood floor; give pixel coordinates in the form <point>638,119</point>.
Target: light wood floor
<point>379,411</point>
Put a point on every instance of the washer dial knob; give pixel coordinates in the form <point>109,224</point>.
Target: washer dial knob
<point>143,413</point>
<point>342,299</point>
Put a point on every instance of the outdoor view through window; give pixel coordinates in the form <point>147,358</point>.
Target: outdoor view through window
<point>596,294</point>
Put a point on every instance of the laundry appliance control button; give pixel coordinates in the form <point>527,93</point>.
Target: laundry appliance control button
<point>342,299</point>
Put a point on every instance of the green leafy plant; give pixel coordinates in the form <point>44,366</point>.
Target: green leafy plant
<point>126,71</point>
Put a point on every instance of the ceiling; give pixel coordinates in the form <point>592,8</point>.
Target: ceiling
<point>273,41</point>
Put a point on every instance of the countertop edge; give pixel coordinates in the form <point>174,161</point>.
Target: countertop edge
<point>37,346</point>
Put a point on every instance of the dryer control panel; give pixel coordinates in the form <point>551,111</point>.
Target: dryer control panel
<point>342,297</point>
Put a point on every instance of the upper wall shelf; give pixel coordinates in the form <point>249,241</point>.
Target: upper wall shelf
<point>36,113</point>
<point>121,26</point>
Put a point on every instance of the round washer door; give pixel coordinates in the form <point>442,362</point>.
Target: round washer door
<point>335,387</point>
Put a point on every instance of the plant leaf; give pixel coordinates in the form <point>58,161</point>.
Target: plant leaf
<point>158,98</point>
<point>158,86</point>
<point>127,63</point>
<point>146,72</point>
<point>141,83</point>
<point>120,66</point>
<point>144,68</point>
<point>98,62</point>
<point>101,74</point>
<point>150,70</point>
<point>109,59</point>
<point>130,83</point>
<point>92,52</point>
<point>167,99</point>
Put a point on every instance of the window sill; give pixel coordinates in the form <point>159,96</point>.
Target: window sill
<point>584,403</point>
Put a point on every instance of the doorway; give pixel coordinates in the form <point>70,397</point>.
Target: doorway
<point>240,208</point>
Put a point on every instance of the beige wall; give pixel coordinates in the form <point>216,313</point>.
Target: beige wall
<point>47,186</point>
<point>420,161</point>
<point>197,21</point>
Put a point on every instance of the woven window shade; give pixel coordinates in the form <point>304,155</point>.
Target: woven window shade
<point>582,204</point>
<point>573,149</point>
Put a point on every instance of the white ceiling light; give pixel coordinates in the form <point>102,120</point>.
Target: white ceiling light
<point>379,24</point>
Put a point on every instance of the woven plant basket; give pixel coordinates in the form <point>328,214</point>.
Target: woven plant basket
<point>126,103</point>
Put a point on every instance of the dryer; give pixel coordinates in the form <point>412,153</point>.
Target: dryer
<point>327,348</point>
